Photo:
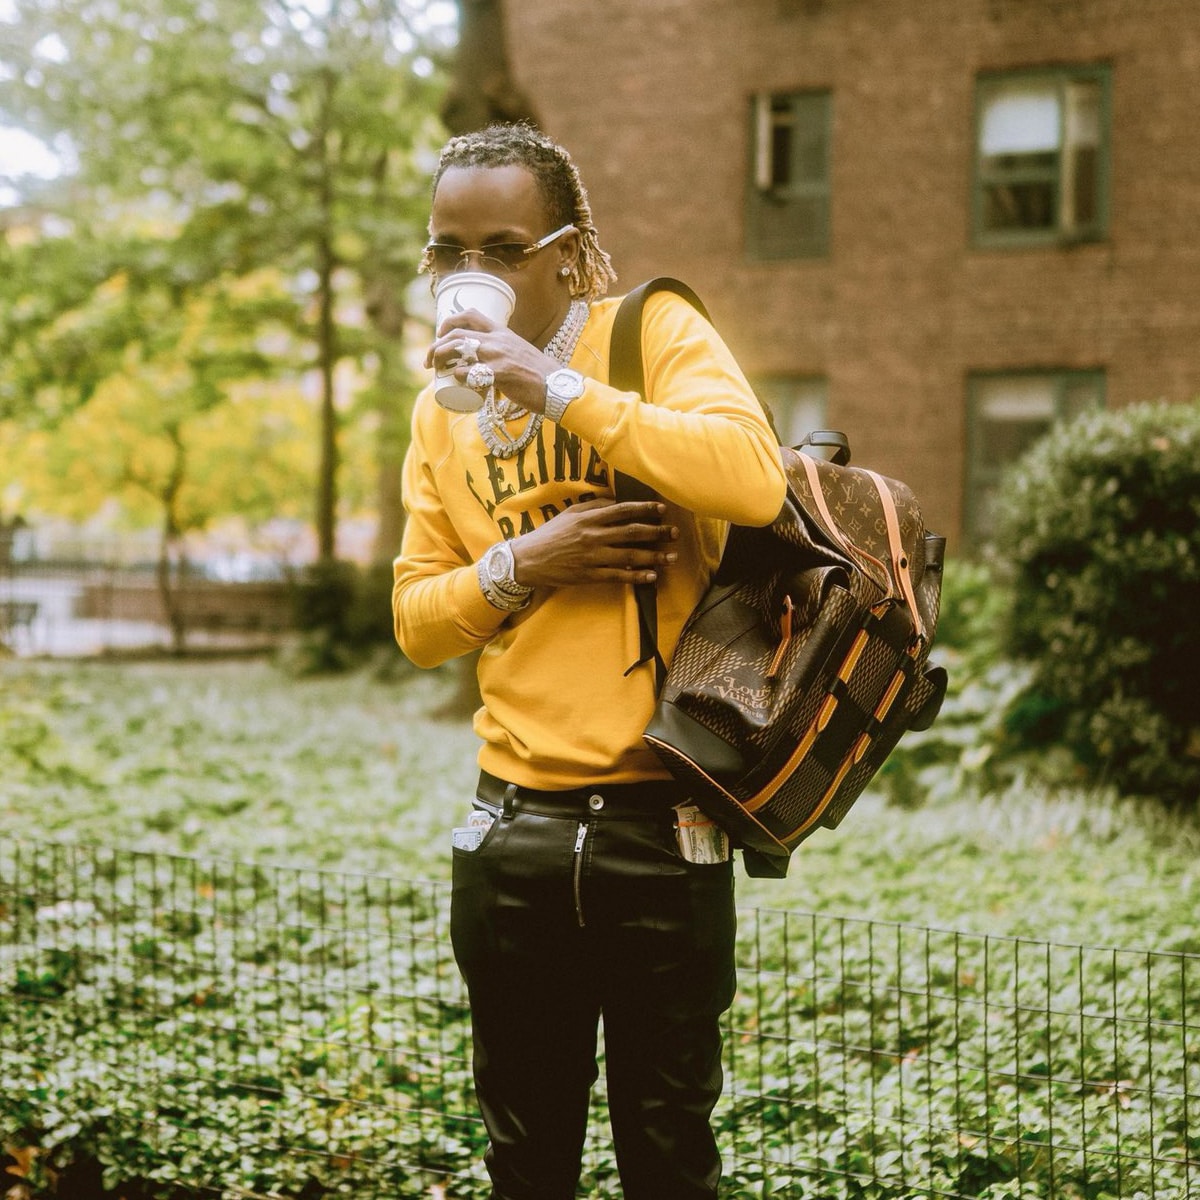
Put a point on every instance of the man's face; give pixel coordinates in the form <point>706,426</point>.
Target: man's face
<point>479,206</point>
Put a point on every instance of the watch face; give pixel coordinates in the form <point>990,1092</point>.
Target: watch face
<point>566,384</point>
<point>497,563</point>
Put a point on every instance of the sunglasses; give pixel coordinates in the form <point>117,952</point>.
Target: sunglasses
<point>497,258</point>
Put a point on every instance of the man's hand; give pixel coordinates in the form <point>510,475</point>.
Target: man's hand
<point>519,366</point>
<point>597,541</point>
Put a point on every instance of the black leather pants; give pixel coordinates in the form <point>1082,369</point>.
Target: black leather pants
<point>577,907</point>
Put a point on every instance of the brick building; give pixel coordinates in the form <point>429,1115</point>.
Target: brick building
<point>936,224</point>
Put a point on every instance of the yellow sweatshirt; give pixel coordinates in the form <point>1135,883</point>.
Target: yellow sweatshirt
<point>558,709</point>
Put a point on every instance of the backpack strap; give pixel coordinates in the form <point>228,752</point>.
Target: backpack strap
<point>901,566</point>
<point>626,371</point>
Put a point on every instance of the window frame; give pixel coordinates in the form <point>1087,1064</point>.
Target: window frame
<point>981,472</point>
<point>783,392</point>
<point>757,195</point>
<point>1057,235</point>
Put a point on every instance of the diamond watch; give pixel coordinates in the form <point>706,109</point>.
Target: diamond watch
<point>497,579</point>
<point>562,386</point>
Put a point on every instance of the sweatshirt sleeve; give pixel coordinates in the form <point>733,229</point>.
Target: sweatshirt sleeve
<point>702,441</point>
<point>438,609</point>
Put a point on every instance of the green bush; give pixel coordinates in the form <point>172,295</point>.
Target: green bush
<point>369,619</point>
<point>343,612</point>
<point>972,605</point>
<point>1098,528</point>
<point>966,747</point>
<point>324,595</point>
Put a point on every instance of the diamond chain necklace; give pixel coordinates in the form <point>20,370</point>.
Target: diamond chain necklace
<point>494,414</point>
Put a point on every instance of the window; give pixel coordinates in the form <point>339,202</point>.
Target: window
<point>797,404</point>
<point>787,202</point>
<point>1006,414</point>
<point>1042,156</point>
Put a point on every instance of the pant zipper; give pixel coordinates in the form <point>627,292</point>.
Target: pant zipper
<point>580,838</point>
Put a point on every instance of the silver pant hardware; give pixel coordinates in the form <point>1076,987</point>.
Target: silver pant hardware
<point>577,875</point>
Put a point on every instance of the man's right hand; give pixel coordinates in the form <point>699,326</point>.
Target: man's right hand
<point>597,541</point>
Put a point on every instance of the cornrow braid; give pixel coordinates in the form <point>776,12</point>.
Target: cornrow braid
<point>566,200</point>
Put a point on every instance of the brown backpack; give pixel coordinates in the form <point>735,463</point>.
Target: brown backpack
<point>806,660</point>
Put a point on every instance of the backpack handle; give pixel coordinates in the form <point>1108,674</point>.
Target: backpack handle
<point>830,444</point>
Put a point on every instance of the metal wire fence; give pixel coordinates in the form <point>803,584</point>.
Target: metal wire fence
<point>211,1028</point>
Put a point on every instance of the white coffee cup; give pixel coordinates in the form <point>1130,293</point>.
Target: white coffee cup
<point>456,293</point>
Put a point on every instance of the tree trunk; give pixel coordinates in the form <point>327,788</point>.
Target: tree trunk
<point>326,516</point>
<point>482,89</point>
<point>167,592</point>
<point>387,313</point>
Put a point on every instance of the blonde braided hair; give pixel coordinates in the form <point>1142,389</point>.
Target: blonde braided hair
<point>558,182</point>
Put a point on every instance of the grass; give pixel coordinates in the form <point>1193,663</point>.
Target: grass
<point>239,760</point>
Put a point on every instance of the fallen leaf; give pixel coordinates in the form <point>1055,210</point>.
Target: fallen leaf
<point>1118,1090</point>
<point>22,1157</point>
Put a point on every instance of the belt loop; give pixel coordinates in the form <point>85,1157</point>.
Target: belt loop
<point>510,794</point>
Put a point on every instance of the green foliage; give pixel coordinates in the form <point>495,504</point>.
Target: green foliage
<point>1097,525</point>
<point>369,621</point>
<point>176,981</point>
<point>265,163</point>
<point>343,612</point>
<point>235,759</point>
<point>278,1031</point>
<point>967,749</point>
<point>972,604</point>
<point>324,594</point>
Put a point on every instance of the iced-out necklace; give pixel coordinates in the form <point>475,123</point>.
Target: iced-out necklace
<point>495,414</point>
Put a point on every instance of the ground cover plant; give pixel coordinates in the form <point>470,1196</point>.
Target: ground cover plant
<point>237,760</point>
<point>243,984</point>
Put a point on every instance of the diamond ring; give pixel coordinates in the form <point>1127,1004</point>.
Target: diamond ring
<point>480,377</point>
<point>468,350</point>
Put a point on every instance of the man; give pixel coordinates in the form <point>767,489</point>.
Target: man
<point>577,905</point>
